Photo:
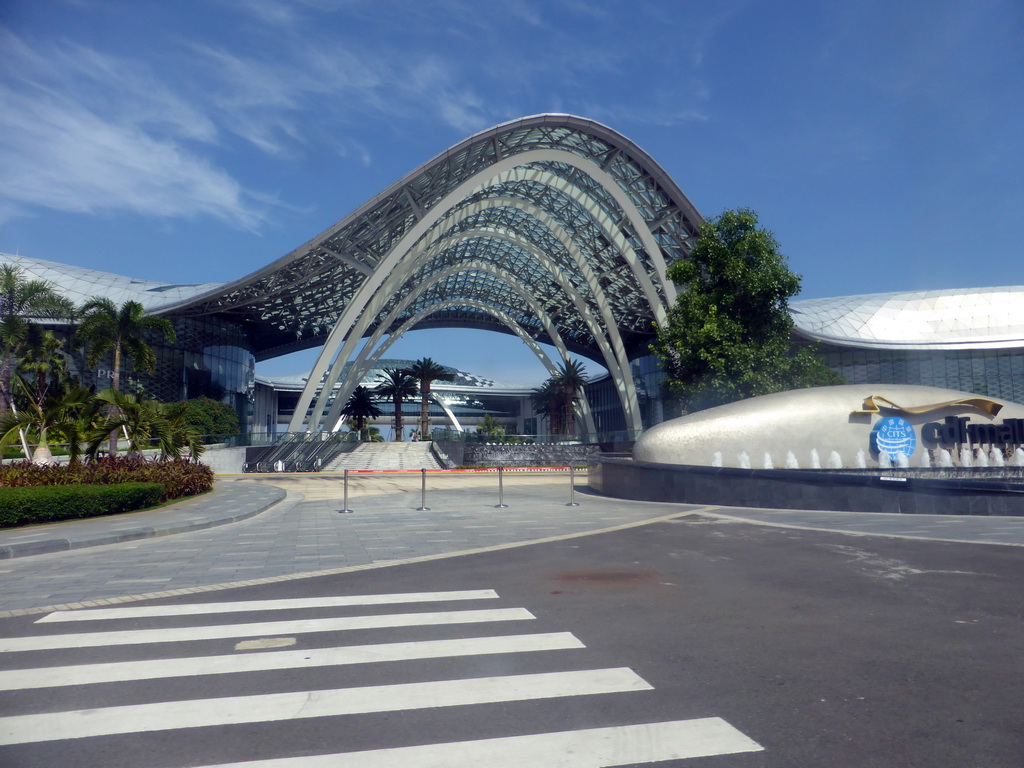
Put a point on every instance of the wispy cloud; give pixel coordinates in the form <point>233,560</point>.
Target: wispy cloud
<point>83,132</point>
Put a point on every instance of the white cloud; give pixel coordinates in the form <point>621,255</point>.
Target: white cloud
<point>59,155</point>
<point>84,132</point>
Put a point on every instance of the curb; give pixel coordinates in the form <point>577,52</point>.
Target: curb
<point>48,546</point>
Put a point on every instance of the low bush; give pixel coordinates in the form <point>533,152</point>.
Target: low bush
<point>47,504</point>
<point>177,477</point>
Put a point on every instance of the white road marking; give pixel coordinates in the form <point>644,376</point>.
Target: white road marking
<point>192,609</point>
<point>125,671</point>
<point>589,748</point>
<point>260,629</point>
<point>197,713</point>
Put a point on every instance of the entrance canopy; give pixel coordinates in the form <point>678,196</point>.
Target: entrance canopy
<point>554,228</point>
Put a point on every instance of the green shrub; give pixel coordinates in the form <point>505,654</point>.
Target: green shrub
<point>47,504</point>
<point>214,420</point>
<point>177,477</point>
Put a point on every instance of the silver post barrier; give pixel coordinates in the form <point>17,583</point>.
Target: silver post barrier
<point>344,503</point>
<point>423,492</point>
<point>572,487</point>
<point>501,492</point>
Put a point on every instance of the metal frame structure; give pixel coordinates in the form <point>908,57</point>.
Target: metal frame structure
<point>554,228</point>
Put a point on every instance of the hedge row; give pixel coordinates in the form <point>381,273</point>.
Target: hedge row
<point>177,478</point>
<point>47,504</point>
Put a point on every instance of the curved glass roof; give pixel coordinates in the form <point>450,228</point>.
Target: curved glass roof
<point>548,194</point>
<point>955,319</point>
<point>80,284</point>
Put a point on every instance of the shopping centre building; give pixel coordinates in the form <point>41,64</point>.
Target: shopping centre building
<point>552,228</point>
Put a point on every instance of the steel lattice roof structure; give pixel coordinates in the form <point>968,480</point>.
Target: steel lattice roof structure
<point>554,228</point>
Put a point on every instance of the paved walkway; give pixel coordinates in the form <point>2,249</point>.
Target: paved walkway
<point>290,526</point>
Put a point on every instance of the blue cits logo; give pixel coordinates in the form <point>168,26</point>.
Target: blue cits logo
<point>895,436</point>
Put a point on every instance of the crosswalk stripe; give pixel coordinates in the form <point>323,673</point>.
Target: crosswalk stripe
<point>588,748</point>
<point>192,609</point>
<point>259,629</point>
<point>195,713</point>
<point>150,669</point>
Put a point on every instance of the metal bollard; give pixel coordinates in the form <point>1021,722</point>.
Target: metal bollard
<point>344,503</point>
<point>423,493</point>
<point>572,487</point>
<point>501,493</point>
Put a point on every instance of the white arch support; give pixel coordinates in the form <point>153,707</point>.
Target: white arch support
<point>472,266</point>
<point>368,299</point>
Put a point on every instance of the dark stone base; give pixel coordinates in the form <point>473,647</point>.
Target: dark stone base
<point>805,489</point>
<point>510,455</point>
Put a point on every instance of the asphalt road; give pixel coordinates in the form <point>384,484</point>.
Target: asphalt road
<point>802,648</point>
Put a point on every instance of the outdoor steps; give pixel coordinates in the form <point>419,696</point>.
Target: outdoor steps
<point>380,456</point>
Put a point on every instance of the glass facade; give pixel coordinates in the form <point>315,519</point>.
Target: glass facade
<point>211,357</point>
<point>992,372</point>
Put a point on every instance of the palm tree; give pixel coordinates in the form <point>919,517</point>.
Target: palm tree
<point>490,427</point>
<point>547,401</point>
<point>107,328</point>
<point>361,407</point>
<point>40,357</point>
<point>397,385</point>
<point>147,423</point>
<point>23,300</point>
<point>55,413</point>
<point>570,378</point>
<point>557,397</point>
<point>426,372</point>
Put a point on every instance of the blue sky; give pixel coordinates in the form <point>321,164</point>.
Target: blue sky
<point>882,142</point>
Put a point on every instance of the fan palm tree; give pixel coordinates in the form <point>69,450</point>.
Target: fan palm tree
<point>21,301</point>
<point>426,372</point>
<point>396,385</point>
<point>361,407</point>
<point>54,413</point>
<point>147,423</point>
<point>107,328</point>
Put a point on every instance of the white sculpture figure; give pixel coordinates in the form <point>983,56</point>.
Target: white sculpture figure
<point>744,460</point>
<point>835,461</point>
<point>791,462</point>
<point>815,461</point>
<point>716,460</point>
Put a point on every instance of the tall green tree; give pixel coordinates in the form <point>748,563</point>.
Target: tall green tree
<point>729,335</point>
<point>21,302</point>
<point>426,372</point>
<point>361,408</point>
<point>120,332</point>
<point>396,385</point>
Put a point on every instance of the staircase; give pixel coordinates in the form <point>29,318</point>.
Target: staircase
<point>380,456</point>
